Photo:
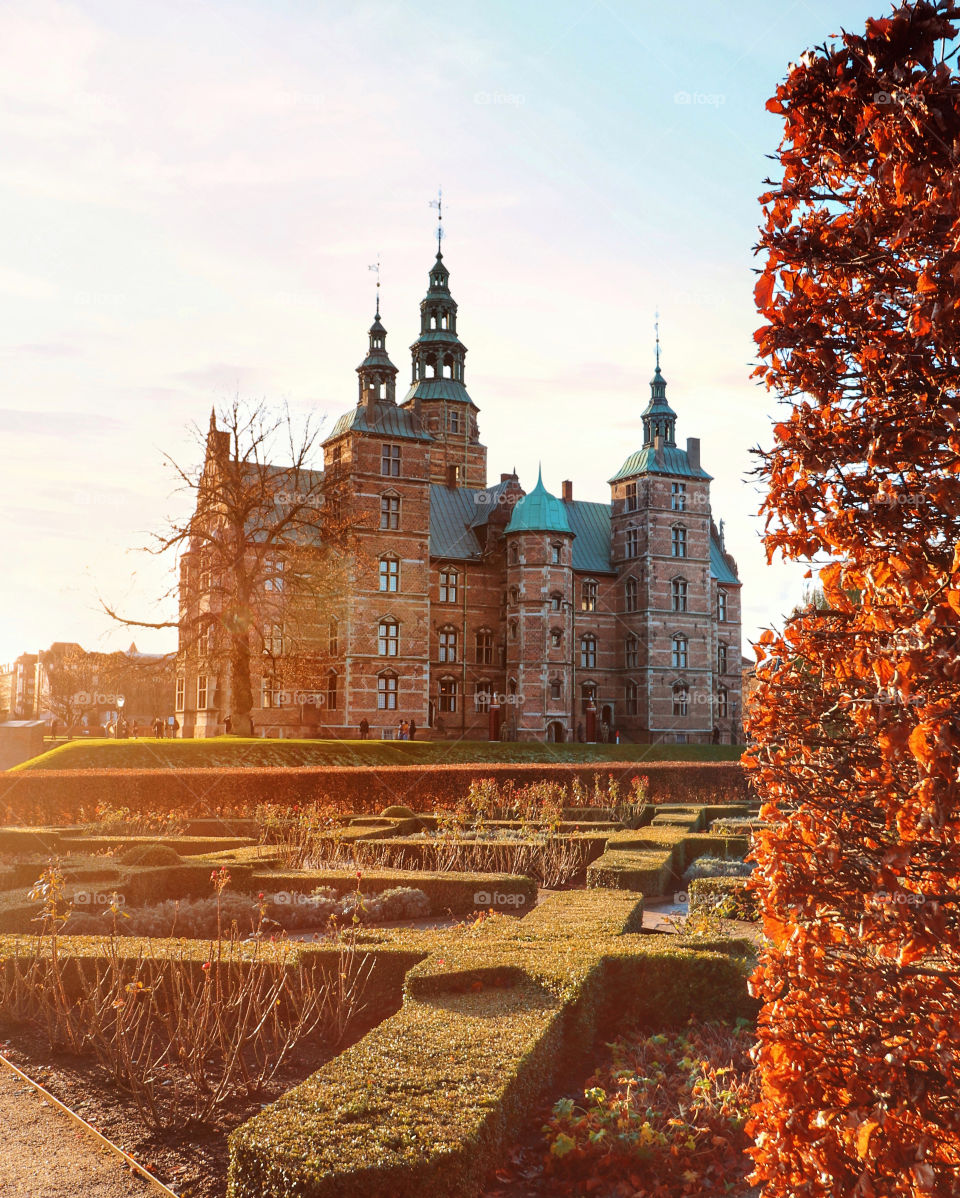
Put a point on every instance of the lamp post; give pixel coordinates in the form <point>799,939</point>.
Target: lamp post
<point>121,700</point>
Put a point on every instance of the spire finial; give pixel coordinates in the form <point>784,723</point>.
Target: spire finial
<point>213,419</point>
<point>656,325</point>
<point>438,204</point>
<point>376,267</point>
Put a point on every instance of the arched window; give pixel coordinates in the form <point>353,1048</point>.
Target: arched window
<point>678,541</point>
<point>389,574</point>
<point>723,703</point>
<point>332,688</point>
<point>631,653</point>
<point>588,652</point>
<point>678,594</point>
<point>388,637</point>
<point>721,658</point>
<point>448,644</point>
<point>387,692</point>
<point>630,693</point>
<point>484,647</point>
<point>681,698</point>
<point>679,652</point>
<point>588,595</point>
<point>390,510</point>
<point>333,637</point>
<point>630,594</point>
<point>449,582</point>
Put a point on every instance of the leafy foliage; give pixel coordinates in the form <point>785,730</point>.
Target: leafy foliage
<point>663,1117</point>
<point>855,740</point>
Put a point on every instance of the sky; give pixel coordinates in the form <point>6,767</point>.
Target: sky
<point>192,194</point>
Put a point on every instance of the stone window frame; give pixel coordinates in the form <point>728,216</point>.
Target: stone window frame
<point>448,590</point>
<point>680,694</point>
<point>631,697</point>
<point>388,697</point>
<point>447,700</point>
<point>631,652</point>
<point>388,643</point>
<point>588,650</point>
<point>384,573</point>
<point>679,593</point>
<point>680,651</point>
<point>678,540</point>
<point>484,657</point>
<point>631,593</point>
<point>390,514</point>
<point>589,594</point>
<point>448,645</point>
<point>333,690</point>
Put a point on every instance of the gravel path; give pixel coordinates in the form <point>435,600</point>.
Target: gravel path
<point>44,1155</point>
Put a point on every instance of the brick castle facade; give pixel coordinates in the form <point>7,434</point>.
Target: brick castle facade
<point>480,610</point>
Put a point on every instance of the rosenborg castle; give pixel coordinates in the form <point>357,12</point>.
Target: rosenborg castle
<point>490,610</point>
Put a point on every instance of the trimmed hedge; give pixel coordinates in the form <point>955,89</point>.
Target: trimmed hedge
<point>652,859</point>
<point>425,1104</point>
<point>446,891</point>
<point>45,796</point>
<point>186,846</point>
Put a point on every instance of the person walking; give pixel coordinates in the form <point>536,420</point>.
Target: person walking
<point>413,729</point>
<point>364,728</point>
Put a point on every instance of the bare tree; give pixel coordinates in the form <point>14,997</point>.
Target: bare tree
<point>263,559</point>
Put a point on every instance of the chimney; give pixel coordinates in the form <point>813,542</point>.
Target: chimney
<point>453,472</point>
<point>693,451</point>
<point>506,478</point>
<point>567,490</point>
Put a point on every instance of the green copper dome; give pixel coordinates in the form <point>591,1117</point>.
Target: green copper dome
<point>540,512</point>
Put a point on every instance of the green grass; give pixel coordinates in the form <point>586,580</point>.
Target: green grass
<point>227,751</point>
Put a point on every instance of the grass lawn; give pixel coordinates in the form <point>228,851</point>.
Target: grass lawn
<point>227,751</point>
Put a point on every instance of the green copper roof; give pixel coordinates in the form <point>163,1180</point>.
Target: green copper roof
<point>718,563</point>
<point>439,389</point>
<point>672,460</point>
<point>539,511</point>
<point>383,418</point>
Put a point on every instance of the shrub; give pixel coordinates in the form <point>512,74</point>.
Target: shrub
<point>396,812</point>
<point>726,898</point>
<point>717,867</point>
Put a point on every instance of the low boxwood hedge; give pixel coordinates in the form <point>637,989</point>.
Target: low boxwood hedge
<point>456,892</point>
<point>186,846</point>
<point>730,898</point>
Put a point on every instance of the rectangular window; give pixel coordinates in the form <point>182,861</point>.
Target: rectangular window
<point>448,696</point>
<point>721,605</point>
<point>631,594</point>
<point>269,695</point>
<point>332,687</point>
<point>334,638</point>
<point>631,653</point>
<point>556,691</point>
<point>448,586</point>
<point>630,698</point>
<point>390,461</point>
<point>387,693</point>
<point>588,653</point>
<point>390,511</point>
<point>273,573</point>
<point>389,574</point>
<point>678,497</point>
<point>630,497</point>
<point>482,696</point>
<point>273,640</point>
<point>556,554</point>
<point>678,541</point>
<point>181,694</point>
<point>632,543</point>
<point>201,692</point>
<point>335,456</point>
<point>448,645</point>
<point>680,700</point>
<point>556,638</point>
<point>678,594</point>
<point>388,638</point>
<point>455,421</point>
<point>484,648</point>
<point>588,596</point>
<point>722,703</point>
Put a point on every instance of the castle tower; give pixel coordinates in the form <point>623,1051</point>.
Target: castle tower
<point>540,635</point>
<point>438,396</point>
<point>377,466</point>
<point>661,550</point>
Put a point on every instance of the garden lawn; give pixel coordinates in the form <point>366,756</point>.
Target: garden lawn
<point>258,753</point>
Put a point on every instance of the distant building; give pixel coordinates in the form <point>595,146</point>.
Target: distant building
<point>483,610</point>
<point>18,688</point>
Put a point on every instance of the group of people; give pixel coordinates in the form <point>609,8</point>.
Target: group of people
<point>406,729</point>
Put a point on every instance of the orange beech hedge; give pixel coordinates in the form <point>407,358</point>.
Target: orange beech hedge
<point>854,726</point>
<point>55,796</point>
